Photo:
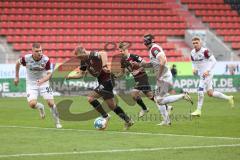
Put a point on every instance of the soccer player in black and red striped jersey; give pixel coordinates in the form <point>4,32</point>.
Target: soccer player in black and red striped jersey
<point>139,74</point>
<point>95,63</point>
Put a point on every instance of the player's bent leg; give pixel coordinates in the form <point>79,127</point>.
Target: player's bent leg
<point>92,99</point>
<point>120,112</point>
<point>36,105</point>
<point>32,95</point>
<point>150,95</point>
<point>169,99</point>
<point>165,116</point>
<point>198,111</point>
<point>32,103</point>
<point>162,96</point>
<point>220,95</point>
<point>136,96</point>
<point>54,111</point>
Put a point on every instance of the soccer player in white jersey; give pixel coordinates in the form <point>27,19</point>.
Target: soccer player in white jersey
<point>164,81</point>
<point>203,63</point>
<point>37,81</point>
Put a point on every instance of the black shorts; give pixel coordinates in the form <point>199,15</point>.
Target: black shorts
<point>142,84</point>
<point>105,89</point>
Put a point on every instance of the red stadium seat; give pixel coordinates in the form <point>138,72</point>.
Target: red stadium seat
<point>60,26</point>
<point>220,17</point>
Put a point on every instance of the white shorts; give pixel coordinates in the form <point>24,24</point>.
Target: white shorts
<point>33,91</point>
<point>205,83</point>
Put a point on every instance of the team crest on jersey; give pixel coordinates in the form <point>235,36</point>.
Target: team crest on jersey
<point>155,52</point>
<point>200,56</point>
<point>43,65</point>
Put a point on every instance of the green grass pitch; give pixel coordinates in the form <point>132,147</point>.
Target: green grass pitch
<point>215,135</point>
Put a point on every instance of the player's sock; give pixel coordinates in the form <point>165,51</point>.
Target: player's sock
<point>39,106</point>
<point>200,99</point>
<point>172,98</point>
<point>141,103</point>
<point>164,112</point>
<point>118,110</point>
<point>220,95</point>
<point>55,114</point>
<point>96,105</point>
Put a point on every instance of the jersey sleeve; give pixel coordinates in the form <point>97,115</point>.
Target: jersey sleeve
<point>48,65</point>
<point>207,54</point>
<point>22,61</point>
<point>155,51</point>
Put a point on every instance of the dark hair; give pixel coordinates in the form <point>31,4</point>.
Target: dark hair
<point>36,45</point>
<point>148,39</point>
<point>149,36</point>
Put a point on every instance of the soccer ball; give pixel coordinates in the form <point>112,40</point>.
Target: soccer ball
<point>100,123</point>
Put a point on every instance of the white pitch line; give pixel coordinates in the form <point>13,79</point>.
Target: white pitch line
<point>123,132</point>
<point>118,150</point>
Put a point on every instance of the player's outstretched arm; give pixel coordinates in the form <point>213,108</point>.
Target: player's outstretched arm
<point>194,66</point>
<point>17,68</point>
<point>77,75</point>
<point>45,79</point>
<point>144,64</point>
<point>121,73</point>
<point>213,62</point>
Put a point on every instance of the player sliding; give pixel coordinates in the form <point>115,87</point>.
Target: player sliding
<point>96,64</point>
<point>164,81</point>
<point>203,63</point>
<point>37,81</point>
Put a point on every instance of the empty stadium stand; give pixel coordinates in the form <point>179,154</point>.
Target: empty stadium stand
<point>60,25</point>
<point>221,15</point>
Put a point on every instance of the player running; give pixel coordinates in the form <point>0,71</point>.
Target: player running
<point>139,74</point>
<point>37,81</point>
<point>96,64</point>
<point>203,63</point>
<point>164,81</point>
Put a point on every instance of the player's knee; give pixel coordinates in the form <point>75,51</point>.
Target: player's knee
<point>210,93</point>
<point>50,104</point>
<point>159,100</point>
<point>200,93</point>
<point>90,99</point>
<point>136,98</point>
<point>32,104</point>
<point>111,104</point>
<point>133,95</point>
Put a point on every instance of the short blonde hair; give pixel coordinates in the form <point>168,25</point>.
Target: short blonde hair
<point>196,38</point>
<point>79,50</point>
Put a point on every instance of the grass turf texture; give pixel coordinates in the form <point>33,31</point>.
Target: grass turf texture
<point>24,136</point>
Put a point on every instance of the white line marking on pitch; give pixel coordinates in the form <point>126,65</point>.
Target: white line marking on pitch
<point>118,150</point>
<point>123,132</point>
